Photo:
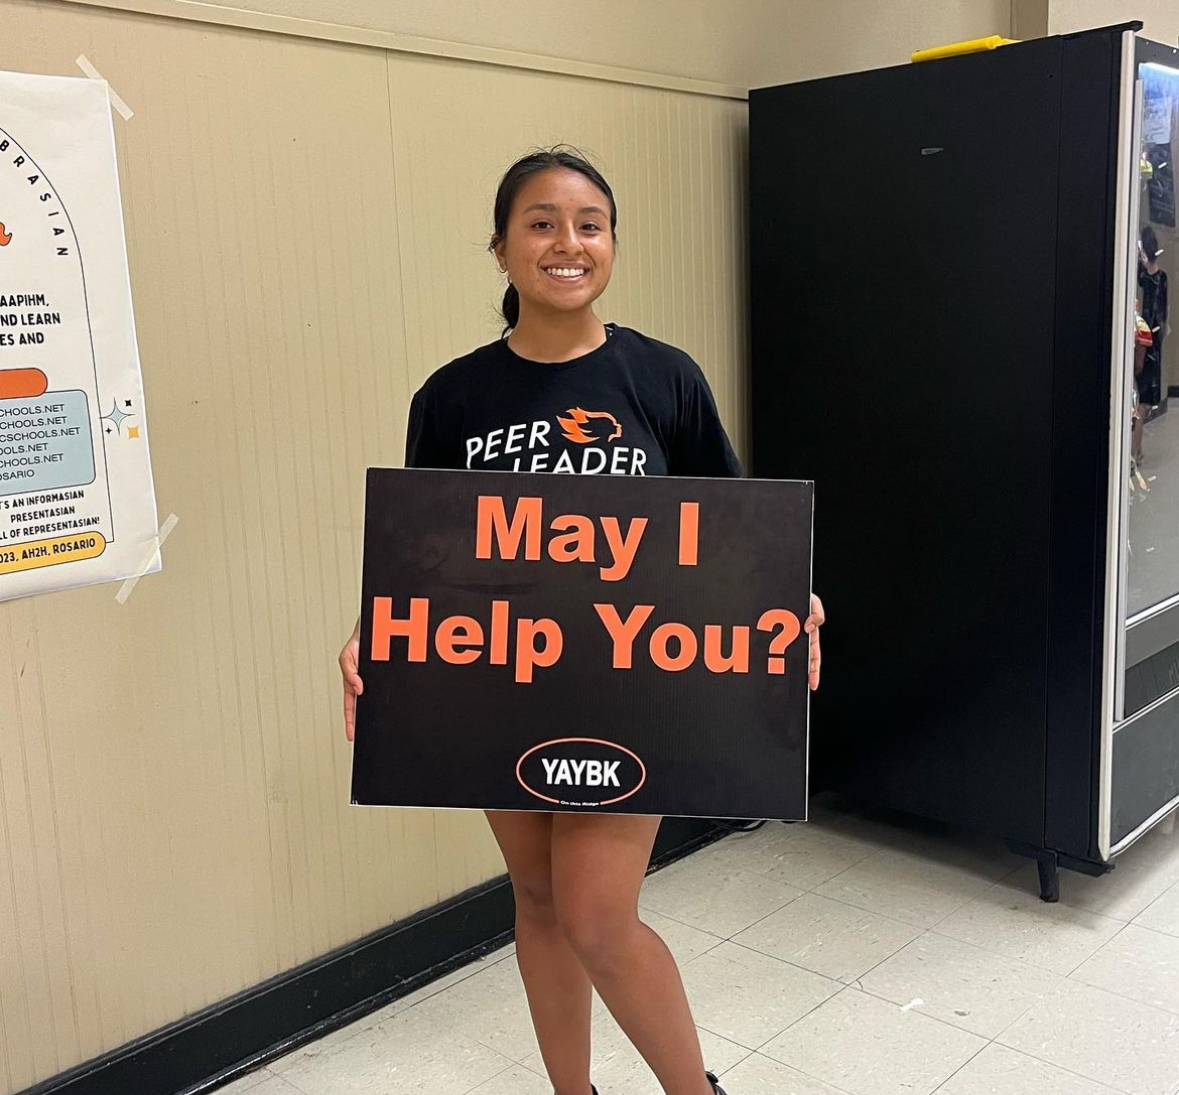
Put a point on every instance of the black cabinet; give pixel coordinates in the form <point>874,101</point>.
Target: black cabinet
<point>945,269</point>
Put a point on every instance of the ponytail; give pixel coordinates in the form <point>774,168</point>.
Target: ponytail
<point>510,309</point>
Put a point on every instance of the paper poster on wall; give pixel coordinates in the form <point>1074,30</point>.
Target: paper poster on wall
<point>76,498</point>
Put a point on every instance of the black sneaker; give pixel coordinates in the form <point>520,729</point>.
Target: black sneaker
<point>716,1087</point>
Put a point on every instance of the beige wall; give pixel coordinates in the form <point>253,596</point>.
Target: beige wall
<point>1160,17</point>
<point>305,225</point>
<point>747,43</point>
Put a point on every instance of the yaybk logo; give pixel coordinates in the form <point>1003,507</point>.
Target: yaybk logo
<point>581,772</point>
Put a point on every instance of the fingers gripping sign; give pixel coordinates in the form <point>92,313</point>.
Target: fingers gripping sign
<point>353,685</point>
<point>813,622</point>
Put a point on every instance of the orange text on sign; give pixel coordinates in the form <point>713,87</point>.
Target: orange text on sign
<point>573,537</point>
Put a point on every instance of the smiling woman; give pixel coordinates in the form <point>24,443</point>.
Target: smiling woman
<point>561,391</point>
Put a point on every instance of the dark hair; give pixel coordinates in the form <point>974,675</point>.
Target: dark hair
<point>1150,243</point>
<point>543,159</point>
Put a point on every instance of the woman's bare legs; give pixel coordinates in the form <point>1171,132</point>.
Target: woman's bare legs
<point>555,981</point>
<point>598,864</point>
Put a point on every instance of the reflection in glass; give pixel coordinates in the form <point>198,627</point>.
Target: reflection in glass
<point>1153,565</point>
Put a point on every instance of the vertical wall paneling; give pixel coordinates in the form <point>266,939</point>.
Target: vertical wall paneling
<point>306,227</point>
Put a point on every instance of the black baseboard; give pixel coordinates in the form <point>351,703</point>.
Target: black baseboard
<point>209,1048</point>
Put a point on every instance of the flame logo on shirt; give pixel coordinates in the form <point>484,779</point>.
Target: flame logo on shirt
<point>5,236</point>
<point>574,426</point>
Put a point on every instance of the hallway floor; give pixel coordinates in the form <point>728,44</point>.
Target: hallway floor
<point>857,954</point>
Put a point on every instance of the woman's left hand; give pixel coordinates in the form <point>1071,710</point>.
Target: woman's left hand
<point>813,622</point>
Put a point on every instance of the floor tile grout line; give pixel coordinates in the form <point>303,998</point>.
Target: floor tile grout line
<point>1071,1072</point>
<point>848,904</point>
<point>1153,931</point>
<point>431,995</point>
<point>801,1072</point>
<point>935,1018</point>
<point>1085,909</point>
<point>909,923</point>
<point>981,1049</point>
<point>789,1026</point>
<point>1095,953</point>
<point>696,957</point>
<point>751,1053</point>
<point>682,923</point>
<point>1001,954</point>
<point>1172,1012</point>
<point>807,969</point>
<point>982,950</point>
<point>821,1080</point>
<point>488,1079</point>
<point>726,938</point>
<point>1030,966</point>
<point>857,986</point>
<point>858,908</point>
<point>945,1022</point>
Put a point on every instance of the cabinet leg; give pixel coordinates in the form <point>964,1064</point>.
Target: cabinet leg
<point>1049,877</point>
<point>1049,862</point>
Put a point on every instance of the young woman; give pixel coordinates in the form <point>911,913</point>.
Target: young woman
<point>563,392</point>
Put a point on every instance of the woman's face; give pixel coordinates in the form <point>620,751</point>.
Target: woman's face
<point>558,249</point>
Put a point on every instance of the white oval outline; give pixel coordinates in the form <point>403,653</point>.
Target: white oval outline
<point>594,741</point>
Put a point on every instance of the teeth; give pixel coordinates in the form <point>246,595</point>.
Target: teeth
<point>565,272</point>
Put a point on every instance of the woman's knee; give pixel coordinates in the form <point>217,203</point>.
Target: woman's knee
<point>597,931</point>
<point>534,896</point>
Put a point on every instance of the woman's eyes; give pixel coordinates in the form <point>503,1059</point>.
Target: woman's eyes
<point>590,226</point>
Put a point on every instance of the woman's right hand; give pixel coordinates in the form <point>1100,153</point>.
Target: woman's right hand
<point>353,685</point>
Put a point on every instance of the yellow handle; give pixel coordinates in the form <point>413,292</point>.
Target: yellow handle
<point>954,49</point>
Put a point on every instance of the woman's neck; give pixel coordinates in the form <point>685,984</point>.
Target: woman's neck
<point>555,337</point>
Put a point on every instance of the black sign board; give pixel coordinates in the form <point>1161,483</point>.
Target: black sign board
<point>606,643</point>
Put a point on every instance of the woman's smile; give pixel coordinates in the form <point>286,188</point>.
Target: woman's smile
<point>567,274</point>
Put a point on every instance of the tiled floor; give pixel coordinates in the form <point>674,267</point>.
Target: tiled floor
<point>859,953</point>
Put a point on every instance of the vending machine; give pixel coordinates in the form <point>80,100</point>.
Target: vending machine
<point>961,332</point>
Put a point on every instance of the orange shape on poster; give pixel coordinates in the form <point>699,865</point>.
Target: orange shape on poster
<point>22,383</point>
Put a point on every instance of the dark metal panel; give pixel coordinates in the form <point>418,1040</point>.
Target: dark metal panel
<point>1151,678</point>
<point>903,257</point>
<point>1084,255</point>
<point>1145,767</point>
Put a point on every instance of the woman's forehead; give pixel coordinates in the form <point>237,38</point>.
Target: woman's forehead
<point>561,187</point>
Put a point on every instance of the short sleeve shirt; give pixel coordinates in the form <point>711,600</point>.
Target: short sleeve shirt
<point>632,406</point>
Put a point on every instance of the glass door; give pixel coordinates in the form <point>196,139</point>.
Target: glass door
<point>1151,653</point>
<point>1141,743</point>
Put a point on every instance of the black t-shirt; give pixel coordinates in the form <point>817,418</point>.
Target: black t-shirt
<point>633,406</point>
